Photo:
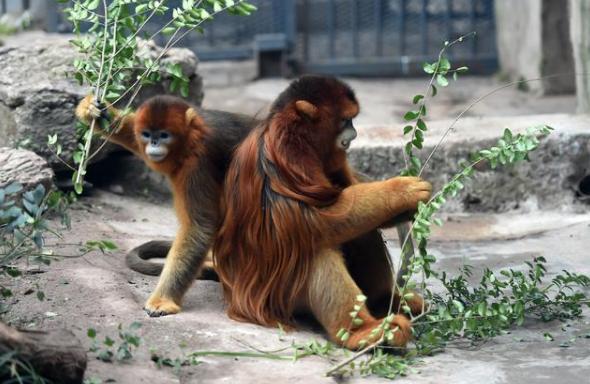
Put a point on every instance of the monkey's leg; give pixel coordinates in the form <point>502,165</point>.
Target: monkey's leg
<point>367,262</point>
<point>182,266</point>
<point>331,295</point>
<point>364,207</point>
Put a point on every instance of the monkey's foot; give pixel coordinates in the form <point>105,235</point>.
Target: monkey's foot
<point>160,306</point>
<point>416,303</point>
<point>401,332</point>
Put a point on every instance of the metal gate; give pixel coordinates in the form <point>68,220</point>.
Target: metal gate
<point>391,37</point>
<point>356,37</point>
<point>351,37</point>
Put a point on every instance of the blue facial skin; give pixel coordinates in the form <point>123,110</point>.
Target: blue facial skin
<point>346,136</point>
<point>156,144</point>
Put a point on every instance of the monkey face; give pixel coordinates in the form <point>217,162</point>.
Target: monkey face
<point>157,144</point>
<point>347,135</point>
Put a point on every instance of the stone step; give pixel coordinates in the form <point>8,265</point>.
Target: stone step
<point>551,180</point>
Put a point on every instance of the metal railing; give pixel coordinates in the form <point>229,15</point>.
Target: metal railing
<point>343,37</point>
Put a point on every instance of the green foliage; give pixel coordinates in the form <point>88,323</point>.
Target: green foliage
<point>15,370</point>
<point>111,62</point>
<point>23,228</point>
<point>175,363</point>
<point>439,71</point>
<point>509,150</point>
<point>110,350</point>
<point>500,301</point>
<point>474,313</point>
<point>355,321</point>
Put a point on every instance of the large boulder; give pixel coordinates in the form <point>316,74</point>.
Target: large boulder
<point>24,167</point>
<point>37,98</point>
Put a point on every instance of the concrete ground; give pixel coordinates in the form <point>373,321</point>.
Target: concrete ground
<point>384,101</point>
<point>99,292</point>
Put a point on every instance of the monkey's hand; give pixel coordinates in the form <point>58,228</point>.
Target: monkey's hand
<point>407,192</point>
<point>89,109</point>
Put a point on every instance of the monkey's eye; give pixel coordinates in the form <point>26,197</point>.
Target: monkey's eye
<point>164,135</point>
<point>146,134</point>
<point>345,123</point>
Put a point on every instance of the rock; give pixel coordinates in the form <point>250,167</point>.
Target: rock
<point>37,99</point>
<point>25,168</point>
<point>188,62</point>
<point>550,181</point>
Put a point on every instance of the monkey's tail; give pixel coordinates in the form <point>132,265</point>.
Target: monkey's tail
<point>138,259</point>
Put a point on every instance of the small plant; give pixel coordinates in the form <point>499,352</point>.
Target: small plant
<point>15,370</point>
<point>109,350</point>
<point>23,230</point>
<point>175,363</point>
<point>25,227</point>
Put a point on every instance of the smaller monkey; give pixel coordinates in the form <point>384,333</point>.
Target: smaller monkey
<point>192,147</point>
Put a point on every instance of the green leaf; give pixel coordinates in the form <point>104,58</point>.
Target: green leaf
<point>408,129</point>
<point>91,333</point>
<point>184,89</point>
<point>444,65</point>
<point>428,68</point>
<point>168,31</point>
<point>421,125</point>
<point>442,81</point>
<point>434,90</point>
<point>13,188</point>
<point>140,8</point>
<point>13,272</point>
<point>92,4</point>
<point>417,99</point>
<point>52,139</point>
<point>410,115</point>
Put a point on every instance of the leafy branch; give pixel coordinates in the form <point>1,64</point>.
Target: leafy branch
<point>112,63</point>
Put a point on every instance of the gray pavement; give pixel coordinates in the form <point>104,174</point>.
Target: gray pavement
<point>97,291</point>
<point>384,101</point>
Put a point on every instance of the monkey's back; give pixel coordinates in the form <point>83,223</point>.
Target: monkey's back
<point>228,130</point>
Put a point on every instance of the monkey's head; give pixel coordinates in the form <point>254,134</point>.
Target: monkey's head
<point>324,107</point>
<point>164,130</point>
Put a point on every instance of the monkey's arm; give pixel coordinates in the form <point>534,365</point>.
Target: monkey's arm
<point>359,177</point>
<point>365,206</point>
<point>121,125</point>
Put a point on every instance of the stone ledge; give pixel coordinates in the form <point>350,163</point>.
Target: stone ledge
<point>548,181</point>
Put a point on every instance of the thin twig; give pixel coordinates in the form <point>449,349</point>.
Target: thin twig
<point>88,143</point>
<point>352,358</point>
<point>477,101</point>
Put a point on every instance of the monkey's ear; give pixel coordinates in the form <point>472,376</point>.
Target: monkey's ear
<point>189,115</point>
<point>307,108</point>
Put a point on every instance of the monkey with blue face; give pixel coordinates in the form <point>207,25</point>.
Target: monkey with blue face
<point>192,147</point>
